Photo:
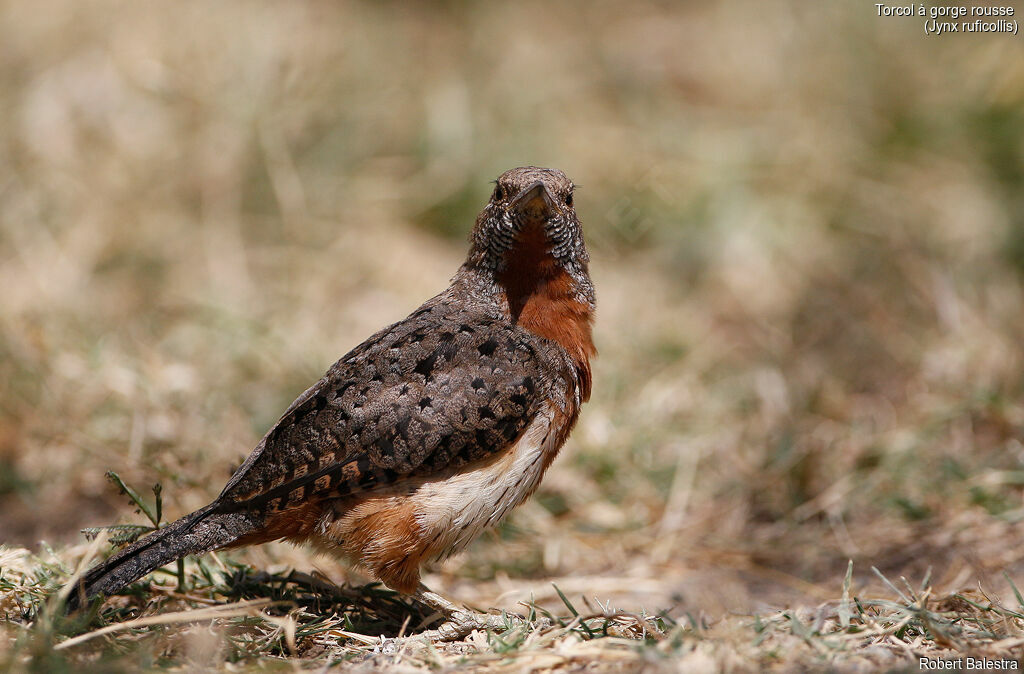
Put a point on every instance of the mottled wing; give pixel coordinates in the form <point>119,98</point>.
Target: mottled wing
<point>436,390</point>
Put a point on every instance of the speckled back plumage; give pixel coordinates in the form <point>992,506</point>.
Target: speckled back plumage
<point>450,384</point>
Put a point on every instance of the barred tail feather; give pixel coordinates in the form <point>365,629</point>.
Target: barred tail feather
<point>199,532</point>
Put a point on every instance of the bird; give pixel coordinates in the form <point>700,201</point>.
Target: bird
<point>431,430</point>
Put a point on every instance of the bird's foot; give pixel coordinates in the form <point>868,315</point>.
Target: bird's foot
<point>456,627</point>
<point>458,622</point>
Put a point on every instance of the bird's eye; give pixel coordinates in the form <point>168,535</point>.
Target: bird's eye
<point>568,199</point>
<point>499,193</point>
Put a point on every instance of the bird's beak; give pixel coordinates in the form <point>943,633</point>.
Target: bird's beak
<point>536,202</point>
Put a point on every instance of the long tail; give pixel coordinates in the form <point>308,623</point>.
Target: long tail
<point>199,532</point>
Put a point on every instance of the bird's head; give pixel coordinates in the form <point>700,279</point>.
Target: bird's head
<point>529,228</point>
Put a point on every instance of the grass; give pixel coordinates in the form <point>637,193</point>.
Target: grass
<point>805,228</point>
<point>236,614</point>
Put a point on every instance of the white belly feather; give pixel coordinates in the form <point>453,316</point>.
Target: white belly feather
<point>454,511</point>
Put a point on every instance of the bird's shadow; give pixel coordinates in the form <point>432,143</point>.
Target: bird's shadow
<point>370,609</point>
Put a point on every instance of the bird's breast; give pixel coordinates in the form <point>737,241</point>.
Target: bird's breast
<point>544,299</point>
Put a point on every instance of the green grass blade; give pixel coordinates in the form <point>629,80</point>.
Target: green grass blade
<point>1016,592</point>
<point>116,479</point>
<point>565,600</point>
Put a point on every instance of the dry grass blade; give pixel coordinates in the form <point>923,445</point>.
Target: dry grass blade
<point>241,608</point>
<point>83,565</point>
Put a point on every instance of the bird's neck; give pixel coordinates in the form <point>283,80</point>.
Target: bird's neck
<point>540,295</point>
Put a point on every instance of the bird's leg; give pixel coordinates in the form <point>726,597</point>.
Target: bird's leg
<point>459,622</point>
<point>428,597</point>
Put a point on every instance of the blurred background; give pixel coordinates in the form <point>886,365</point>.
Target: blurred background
<point>807,231</point>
